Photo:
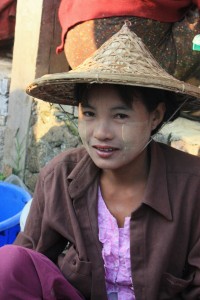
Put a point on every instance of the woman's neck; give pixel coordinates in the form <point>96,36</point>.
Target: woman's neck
<point>123,190</point>
<point>128,175</point>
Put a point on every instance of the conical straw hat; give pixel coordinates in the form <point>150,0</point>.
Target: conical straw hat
<point>123,59</point>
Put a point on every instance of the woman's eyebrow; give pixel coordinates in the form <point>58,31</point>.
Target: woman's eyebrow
<point>86,105</point>
<point>122,107</point>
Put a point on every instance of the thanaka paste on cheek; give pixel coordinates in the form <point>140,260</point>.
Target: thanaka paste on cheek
<point>135,136</point>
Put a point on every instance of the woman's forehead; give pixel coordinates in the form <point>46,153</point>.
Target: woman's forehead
<point>100,92</point>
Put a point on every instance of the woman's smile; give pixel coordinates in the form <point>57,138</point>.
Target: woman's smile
<point>104,151</point>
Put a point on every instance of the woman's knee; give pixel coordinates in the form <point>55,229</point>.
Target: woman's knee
<point>18,276</point>
<point>13,258</point>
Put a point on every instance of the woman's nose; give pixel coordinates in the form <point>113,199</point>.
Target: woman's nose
<point>103,130</point>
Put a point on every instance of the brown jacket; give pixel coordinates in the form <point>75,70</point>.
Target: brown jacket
<point>165,229</point>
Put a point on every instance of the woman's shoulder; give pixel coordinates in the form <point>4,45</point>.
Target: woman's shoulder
<point>180,161</point>
<point>70,155</point>
<point>66,160</point>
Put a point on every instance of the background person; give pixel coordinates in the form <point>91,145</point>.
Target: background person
<point>166,27</point>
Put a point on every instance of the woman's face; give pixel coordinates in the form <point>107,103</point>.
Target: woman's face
<point>113,133</point>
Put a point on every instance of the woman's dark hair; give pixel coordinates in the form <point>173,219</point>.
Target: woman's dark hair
<point>151,97</point>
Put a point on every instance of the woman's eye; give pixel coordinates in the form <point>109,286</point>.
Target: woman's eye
<point>121,116</point>
<point>88,113</point>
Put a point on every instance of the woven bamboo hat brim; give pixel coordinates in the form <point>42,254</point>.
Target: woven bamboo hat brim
<point>123,59</point>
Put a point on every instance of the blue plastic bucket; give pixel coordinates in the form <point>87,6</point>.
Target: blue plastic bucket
<point>12,200</point>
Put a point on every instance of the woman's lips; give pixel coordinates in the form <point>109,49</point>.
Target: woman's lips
<point>104,151</point>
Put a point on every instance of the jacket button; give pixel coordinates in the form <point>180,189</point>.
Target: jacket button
<point>74,262</point>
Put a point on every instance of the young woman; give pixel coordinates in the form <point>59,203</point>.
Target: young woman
<point>119,217</point>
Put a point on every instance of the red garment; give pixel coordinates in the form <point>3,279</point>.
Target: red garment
<point>27,274</point>
<point>7,19</point>
<point>72,12</point>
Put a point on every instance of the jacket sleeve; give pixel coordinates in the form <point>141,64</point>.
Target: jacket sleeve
<point>31,235</point>
<point>193,260</point>
<point>38,234</point>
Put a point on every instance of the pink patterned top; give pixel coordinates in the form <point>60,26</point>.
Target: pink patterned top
<point>116,254</point>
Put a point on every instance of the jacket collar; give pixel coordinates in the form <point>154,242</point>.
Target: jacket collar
<point>157,196</point>
<point>82,176</point>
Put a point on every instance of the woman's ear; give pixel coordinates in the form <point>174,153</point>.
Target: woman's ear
<point>158,115</point>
